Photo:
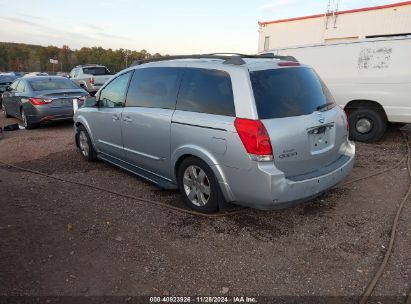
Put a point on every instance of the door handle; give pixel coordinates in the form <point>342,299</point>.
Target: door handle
<point>116,117</point>
<point>127,119</point>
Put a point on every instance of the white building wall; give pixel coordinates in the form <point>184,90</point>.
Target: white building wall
<point>393,20</point>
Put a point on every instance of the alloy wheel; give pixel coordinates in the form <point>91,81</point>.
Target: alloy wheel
<point>24,118</point>
<point>83,142</point>
<point>196,185</point>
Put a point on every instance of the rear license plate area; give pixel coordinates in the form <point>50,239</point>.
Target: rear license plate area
<point>62,103</point>
<point>320,138</point>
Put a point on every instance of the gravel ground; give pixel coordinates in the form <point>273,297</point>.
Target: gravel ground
<point>62,239</point>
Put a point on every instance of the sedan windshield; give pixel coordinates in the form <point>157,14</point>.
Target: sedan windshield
<point>46,84</point>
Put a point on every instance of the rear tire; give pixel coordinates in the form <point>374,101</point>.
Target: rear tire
<point>198,185</point>
<point>26,121</point>
<point>84,144</point>
<point>367,124</point>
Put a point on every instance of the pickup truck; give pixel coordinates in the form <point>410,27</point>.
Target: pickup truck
<point>90,77</point>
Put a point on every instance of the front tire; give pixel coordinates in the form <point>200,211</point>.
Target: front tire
<point>367,124</point>
<point>198,185</point>
<point>84,144</point>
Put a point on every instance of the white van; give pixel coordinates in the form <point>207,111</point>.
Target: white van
<point>369,78</point>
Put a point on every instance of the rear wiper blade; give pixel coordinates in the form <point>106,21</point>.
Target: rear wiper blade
<point>324,106</point>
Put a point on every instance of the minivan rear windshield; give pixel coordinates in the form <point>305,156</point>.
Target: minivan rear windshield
<point>46,84</point>
<point>96,71</point>
<point>287,92</point>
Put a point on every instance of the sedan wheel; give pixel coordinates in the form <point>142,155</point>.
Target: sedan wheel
<point>26,122</point>
<point>24,119</point>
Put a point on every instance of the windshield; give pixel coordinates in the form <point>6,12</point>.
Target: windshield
<point>286,92</point>
<point>46,84</point>
<point>96,71</point>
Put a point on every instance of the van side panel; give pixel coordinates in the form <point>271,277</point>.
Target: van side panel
<point>375,69</point>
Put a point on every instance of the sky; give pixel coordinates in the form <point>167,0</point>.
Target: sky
<point>158,26</point>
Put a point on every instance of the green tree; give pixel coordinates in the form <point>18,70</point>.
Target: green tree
<point>33,58</point>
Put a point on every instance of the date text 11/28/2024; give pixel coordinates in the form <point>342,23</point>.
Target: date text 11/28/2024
<point>169,299</point>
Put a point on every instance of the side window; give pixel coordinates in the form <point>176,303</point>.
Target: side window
<point>206,91</point>
<point>13,86</point>
<point>113,95</point>
<point>154,88</point>
<point>72,73</point>
<point>21,87</point>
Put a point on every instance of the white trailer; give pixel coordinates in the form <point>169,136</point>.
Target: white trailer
<point>369,78</point>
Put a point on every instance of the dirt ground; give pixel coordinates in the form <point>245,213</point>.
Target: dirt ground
<point>63,239</point>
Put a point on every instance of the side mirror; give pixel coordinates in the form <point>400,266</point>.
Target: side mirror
<point>9,89</point>
<point>90,102</point>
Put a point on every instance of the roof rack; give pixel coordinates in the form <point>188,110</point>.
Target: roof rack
<point>229,58</point>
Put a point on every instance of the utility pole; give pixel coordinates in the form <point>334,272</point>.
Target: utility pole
<point>127,54</point>
<point>336,13</point>
<point>332,12</point>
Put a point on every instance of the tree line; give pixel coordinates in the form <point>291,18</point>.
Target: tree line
<point>19,57</point>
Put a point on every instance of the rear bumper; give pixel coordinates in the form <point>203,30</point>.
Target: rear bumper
<point>265,187</point>
<point>47,114</point>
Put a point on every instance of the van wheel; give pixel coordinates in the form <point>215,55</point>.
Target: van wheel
<point>85,145</point>
<point>198,185</point>
<point>367,125</point>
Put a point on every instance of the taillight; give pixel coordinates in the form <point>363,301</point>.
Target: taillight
<point>38,101</point>
<point>91,80</point>
<point>255,138</point>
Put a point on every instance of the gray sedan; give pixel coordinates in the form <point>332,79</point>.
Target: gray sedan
<point>41,99</point>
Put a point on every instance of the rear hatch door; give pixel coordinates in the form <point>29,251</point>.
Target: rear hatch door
<point>101,79</point>
<point>100,74</point>
<point>308,143</point>
<point>307,130</point>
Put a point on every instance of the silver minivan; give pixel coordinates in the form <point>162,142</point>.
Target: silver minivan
<point>249,130</point>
